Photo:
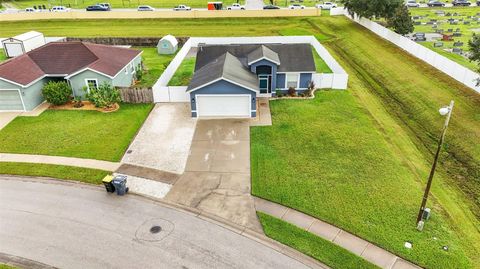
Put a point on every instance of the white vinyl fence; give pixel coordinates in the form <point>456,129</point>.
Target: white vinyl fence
<point>164,93</point>
<point>447,66</point>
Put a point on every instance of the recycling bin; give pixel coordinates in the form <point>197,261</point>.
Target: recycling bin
<point>120,184</point>
<point>107,182</point>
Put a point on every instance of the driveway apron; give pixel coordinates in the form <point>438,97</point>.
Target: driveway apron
<point>217,174</point>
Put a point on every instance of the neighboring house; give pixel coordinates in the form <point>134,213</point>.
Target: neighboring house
<point>82,65</point>
<point>167,45</point>
<point>229,78</point>
<point>21,44</point>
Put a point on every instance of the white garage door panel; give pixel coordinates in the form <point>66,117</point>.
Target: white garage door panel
<point>10,100</point>
<point>13,49</point>
<point>223,105</point>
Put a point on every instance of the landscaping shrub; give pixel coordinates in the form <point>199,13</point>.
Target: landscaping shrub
<point>292,92</point>
<point>309,91</point>
<point>279,94</point>
<point>56,92</point>
<point>104,96</point>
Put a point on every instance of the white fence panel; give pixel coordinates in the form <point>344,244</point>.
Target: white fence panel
<point>179,94</point>
<point>338,11</point>
<point>340,81</point>
<point>160,94</point>
<point>449,67</point>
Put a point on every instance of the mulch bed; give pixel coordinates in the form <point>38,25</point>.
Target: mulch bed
<point>87,105</point>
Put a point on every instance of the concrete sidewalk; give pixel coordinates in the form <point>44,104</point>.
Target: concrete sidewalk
<point>68,161</point>
<point>352,243</point>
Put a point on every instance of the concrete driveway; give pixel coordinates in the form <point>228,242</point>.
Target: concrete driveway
<point>163,143</point>
<point>217,175</point>
<point>69,225</point>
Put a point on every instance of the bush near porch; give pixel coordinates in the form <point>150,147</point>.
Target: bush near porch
<point>83,134</point>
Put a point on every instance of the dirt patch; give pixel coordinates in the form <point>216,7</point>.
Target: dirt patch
<point>86,105</point>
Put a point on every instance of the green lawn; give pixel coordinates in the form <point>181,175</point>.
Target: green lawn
<point>395,94</point>
<point>154,65</point>
<point>92,176</point>
<point>466,30</point>
<point>314,246</point>
<point>320,64</point>
<point>84,134</point>
<point>3,57</point>
<point>184,73</point>
<point>5,266</point>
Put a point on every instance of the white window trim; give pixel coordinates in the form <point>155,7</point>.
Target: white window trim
<point>286,80</point>
<point>88,86</point>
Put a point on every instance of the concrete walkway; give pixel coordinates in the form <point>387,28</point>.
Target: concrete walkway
<point>69,161</point>
<point>7,117</point>
<point>354,244</point>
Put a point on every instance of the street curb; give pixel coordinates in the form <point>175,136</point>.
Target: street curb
<point>238,229</point>
<point>24,263</point>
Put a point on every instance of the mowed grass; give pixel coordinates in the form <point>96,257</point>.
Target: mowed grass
<point>467,30</point>
<point>92,176</point>
<point>401,96</point>
<point>320,65</point>
<point>326,157</point>
<point>184,73</point>
<point>83,134</point>
<point>154,65</point>
<point>3,57</point>
<point>314,246</point>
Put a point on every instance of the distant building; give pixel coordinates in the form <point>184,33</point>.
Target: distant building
<point>167,45</point>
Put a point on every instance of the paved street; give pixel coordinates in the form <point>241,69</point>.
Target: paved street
<point>68,225</point>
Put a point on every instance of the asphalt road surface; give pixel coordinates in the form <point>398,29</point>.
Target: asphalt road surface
<point>68,225</point>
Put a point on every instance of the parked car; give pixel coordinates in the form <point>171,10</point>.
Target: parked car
<point>106,5</point>
<point>271,7</point>
<point>412,3</point>
<point>296,6</point>
<point>463,3</point>
<point>326,5</point>
<point>435,3</point>
<point>182,8</point>
<point>145,8</point>
<point>96,8</point>
<point>236,6</point>
<point>60,9</point>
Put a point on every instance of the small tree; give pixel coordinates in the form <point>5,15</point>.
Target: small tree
<point>474,52</point>
<point>372,8</point>
<point>104,96</point>
<point>401,22</point>
<point>57,92</point>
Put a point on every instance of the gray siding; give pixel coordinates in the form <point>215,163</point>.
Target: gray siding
<point>223,87</point>
<point>78,81</point>
<point>280,80</point>
<point>305,78</point>
<point>126,79</point>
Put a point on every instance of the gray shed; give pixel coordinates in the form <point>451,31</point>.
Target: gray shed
<point>167,45</point>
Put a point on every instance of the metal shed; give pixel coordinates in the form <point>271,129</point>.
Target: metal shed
<point>20,44</point>
<point>167,45</point>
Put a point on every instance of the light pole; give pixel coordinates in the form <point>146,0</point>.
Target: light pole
<point>443,111</point>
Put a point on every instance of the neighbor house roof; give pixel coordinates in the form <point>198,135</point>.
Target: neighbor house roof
<point>66,58</point>
<point>292,57</point>
<point>261,53</point>
<point>226,67</point>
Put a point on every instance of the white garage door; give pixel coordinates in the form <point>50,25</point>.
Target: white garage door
<point>14,49</point>
<point>10,100</point>
<point>223,105</point>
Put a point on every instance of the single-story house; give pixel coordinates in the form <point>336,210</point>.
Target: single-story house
<point>83,65</point>
<point>229,78</point>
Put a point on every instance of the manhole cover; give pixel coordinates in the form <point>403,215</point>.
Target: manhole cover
<point>129,151</point>
<point>155,229</point>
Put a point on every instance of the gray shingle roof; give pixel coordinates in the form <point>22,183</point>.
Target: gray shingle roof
<point>263,52</point>
<point>225,66</point>
<point>293,57</point>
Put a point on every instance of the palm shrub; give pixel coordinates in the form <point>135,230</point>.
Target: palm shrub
<point>104,96</point>
<point>57,92</point>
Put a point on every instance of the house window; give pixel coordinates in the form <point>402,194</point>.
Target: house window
<point>126,70</point>
<point>92,83</point>
<point>292,81</point>
<point>132,68</point>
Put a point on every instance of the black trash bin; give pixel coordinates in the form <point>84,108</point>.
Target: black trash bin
<point>120,184</point>
<point>107,181</point>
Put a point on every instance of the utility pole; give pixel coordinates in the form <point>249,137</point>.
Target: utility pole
<point>443,111</point>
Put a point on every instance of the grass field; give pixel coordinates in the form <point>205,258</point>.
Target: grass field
<point>83,134</point>
<point>397,96</point>
<point>320,65</point>
<point>3,57</point>
<point>136,3</point>
<point>92,176</point>
<point>316,247</point>
<point>463,13</point>
<point>184,73</point>
<point>154,65</point>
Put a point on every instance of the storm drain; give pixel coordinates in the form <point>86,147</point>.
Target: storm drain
<point>155,229</point>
